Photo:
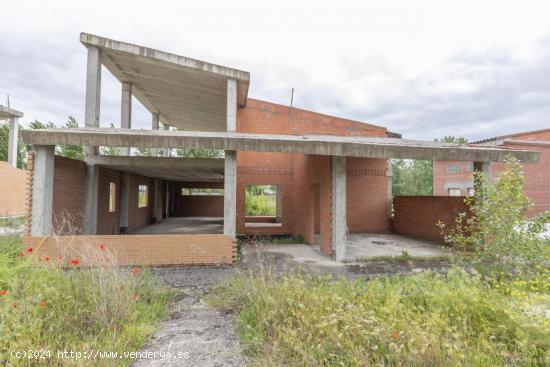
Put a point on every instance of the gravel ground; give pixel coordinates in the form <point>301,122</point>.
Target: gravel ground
<point>192,326</point>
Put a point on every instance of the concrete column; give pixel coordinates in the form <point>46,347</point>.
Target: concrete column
<point>390,189</point>
<point>158,200</point>
<point>92,192</point>
<point>124,201</point>
<point>13,141</point>
<point>230,173</point>
<point>167,202</point>
<point>155,126</point>
<point>126,112</point>
<point>42,190</point>
<point>339,222</point>
<point>93,92</point>
<point>165,151</point>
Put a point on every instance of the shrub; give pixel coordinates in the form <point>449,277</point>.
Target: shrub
<point>54,304</point>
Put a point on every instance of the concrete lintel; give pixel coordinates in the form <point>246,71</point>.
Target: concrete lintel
<point>339,221</point>
<point>8,113</point>
<point>42,190</point>
<point>13,141</point>
<point>369,147</point>
<point>156,162</point>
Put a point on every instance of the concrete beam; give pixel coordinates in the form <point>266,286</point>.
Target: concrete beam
<point>13,141</point>
<point>93,93</point>
<point>308,144</point>
<point>7,113</point>
<point>155,118</point>
<point>42,190</point>
<point>92,192</point>
<point>339,221</point>
<point>126,112</point>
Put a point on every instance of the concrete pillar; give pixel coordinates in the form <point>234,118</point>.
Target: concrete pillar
<point>339,222</point>
<point>230,173</point>
<point>167,202</point>
<point>390,189</point>
<point>126,112</point>
<point>92,192</point>
<point>93,92</point>
<point>13,150</point>
<point>124,201</point>
<point>155,126</point>
<point>166,151</point>
<point>42,190</point>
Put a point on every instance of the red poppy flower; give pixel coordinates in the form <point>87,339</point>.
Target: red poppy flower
<point>29,250</point>
<point>135,297</point>
<point>3,292</point>
<point>395,334</point>
<point>21,254</point>
<point>42,303</point>
<point>136,271</point>
<point>47,258</point>
<point>75,262</point>
<point>101,246</point>
<point>59,258</point>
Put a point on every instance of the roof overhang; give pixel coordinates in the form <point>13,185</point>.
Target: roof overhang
<point>167,168</point>
<point>307,144</point>
<point>8,113</point>
<point>187,93</point>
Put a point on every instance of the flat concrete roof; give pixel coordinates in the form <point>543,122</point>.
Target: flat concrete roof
<point>308,144</point>
<point>187,93</point>
<point>7,113</point>
<point>168,168</point>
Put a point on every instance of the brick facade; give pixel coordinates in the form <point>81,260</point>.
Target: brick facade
<point>417,216</point>
<point>12,201</point>
<point>537,176</point>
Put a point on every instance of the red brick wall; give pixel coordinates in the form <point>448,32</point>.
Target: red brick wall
<point>417,216</point>
<point>444,179</point>
<point>69,195</point>
<point>108,223</point>
<point>299,175</point>
<point>537,176</point>
<point>198,206</point>
<point>139,217</point>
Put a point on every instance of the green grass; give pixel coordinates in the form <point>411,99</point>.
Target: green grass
<point>416,320</point>
<point>52,306</point>
<point>12,222</point>
<point>260,205</point>
<point>406,258</point>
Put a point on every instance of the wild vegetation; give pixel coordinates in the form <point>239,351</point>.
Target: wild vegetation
<point>492,310</point>
<point>54,304</point>
<point>260,200</point>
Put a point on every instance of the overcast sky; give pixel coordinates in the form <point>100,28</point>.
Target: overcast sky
<point>421,68</point>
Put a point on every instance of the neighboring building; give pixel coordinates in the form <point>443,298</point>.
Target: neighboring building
<point>454,178</point>
<point>13,189</point>
<point>331,175</point>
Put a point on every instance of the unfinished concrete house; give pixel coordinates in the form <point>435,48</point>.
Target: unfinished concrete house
<point>327,176</point>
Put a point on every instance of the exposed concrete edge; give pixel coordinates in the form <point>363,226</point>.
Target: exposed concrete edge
<point>307,144</point>
<point>154,162</point>
<point>7,112</point>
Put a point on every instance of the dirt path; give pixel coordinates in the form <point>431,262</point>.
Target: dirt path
<point>192,326</point>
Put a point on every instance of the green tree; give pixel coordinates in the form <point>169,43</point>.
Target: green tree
<point>4,143</point>
<point>200,153</point>
<point>143,152</point>
<point>452,140</point>
<point>412,177</point>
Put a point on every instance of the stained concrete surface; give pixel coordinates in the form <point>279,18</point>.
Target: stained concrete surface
<point>184,225</point>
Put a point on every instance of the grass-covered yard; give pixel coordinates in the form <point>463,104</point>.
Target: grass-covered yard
<point>52,304</point>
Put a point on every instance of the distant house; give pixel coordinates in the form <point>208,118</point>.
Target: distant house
<point>454,178</point>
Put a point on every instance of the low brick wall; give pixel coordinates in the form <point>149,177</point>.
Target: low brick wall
<point>417,216</point>
<point>13,190</point>
<point>186,249</point>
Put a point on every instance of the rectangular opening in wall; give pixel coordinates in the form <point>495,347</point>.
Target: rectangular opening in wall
<point>201,192</point>
<point>263,206</point>
<point>112,197</point>
<point>143,196</point>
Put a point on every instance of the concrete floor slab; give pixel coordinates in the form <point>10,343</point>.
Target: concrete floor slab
<point>184,225</point>
<point>359,246</point>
